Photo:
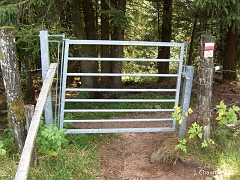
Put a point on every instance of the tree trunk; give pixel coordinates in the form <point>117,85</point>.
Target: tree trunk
<point>12,85</point>
<point>204,89</point>
<point>30,94</point>
<point>78,27</point>
<point>90,30</point>
<point>190,60</point>
<point>164,52</point>
<point>229,62</point>
<point>105,65</point>
<point>78,23</point>
<point>117,34</point>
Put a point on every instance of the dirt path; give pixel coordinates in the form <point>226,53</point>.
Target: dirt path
<point>128,157</point>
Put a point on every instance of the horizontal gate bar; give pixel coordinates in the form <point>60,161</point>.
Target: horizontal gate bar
<point>124,43</point>
<point>120,59</point>
<point>120,90</point>
<point>118,120</point>
<point>120,74</point>
<point>120,130</point>
<point>118,110</point>
<point>119,100</point>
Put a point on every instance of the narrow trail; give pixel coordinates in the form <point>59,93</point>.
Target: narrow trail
<point>128,157</point>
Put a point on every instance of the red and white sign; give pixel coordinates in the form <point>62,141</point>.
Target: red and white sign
<point>209,46</point>
<point>208,53</point>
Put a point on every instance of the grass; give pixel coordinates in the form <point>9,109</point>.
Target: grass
<point>223,156</point>
<point>79,160</point>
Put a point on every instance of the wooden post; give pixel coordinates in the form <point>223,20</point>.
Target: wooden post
<point>12,85</point>
<point>205,79</point>
<point>29,110</point>
<point>23,166</point>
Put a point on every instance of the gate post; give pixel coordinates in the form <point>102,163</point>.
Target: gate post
<point>186,95</point>
<point>204,85</point>
<point>45,60</point>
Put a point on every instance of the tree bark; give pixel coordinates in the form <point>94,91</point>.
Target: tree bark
<point>105,65</point>
<point>229,62</point>
<point>90,30</point>
<point>190,60</point>
<point>164,52</point>
<point>204,89</point>
<point>78,23</point>
<point>30,94</point>
<point>117,51</point>
<point>12,85</point>
<point>78,27</point>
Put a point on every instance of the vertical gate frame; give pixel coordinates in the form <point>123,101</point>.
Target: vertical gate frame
<point>45,60</point>
<point>186,96</point>
<point>45,63</point>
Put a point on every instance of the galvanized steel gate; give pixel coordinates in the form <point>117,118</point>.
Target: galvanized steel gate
<point>157,128</point>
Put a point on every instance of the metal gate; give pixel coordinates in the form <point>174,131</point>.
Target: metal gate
<point>67,114</point>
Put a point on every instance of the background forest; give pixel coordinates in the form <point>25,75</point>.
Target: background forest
<point>145,20</point>
<point>149,20</point>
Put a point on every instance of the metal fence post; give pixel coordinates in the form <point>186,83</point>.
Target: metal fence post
<point>186,95</point>
<point>45,60</point>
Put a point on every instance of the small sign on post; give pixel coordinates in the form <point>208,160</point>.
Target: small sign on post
<point>208,50</point>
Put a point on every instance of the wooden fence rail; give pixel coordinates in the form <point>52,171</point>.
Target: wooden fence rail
<point>24,164</point>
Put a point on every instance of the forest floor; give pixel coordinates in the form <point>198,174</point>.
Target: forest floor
<point>127,157</point>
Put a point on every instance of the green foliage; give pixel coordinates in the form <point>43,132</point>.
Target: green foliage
<point>223,157</point>
<point>2,150</point>
<point>207,142</point>
<point>182,145</point>
<point>226,115</point>
<point>117,18</point>
<point>7,139</point>
<point>50,140</point>
<point>195,130</point>
<point>8,14</point>
<point>227,11</point>
<point>82,95</point>
<point>78,160</point>
<point>176,115</point>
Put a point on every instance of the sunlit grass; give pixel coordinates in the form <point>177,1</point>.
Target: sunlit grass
<point>222,157</point>
<point>8,166</point>
<point>79,160</point>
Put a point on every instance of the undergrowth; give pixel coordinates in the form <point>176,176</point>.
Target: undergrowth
<point>221,153</point>
<point>78,160</point>
<point>223,156</point>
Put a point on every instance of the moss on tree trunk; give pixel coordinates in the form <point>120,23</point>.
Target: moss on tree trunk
<point>11,79</point>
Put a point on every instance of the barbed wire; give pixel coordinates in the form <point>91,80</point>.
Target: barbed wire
<point>25,71</point>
